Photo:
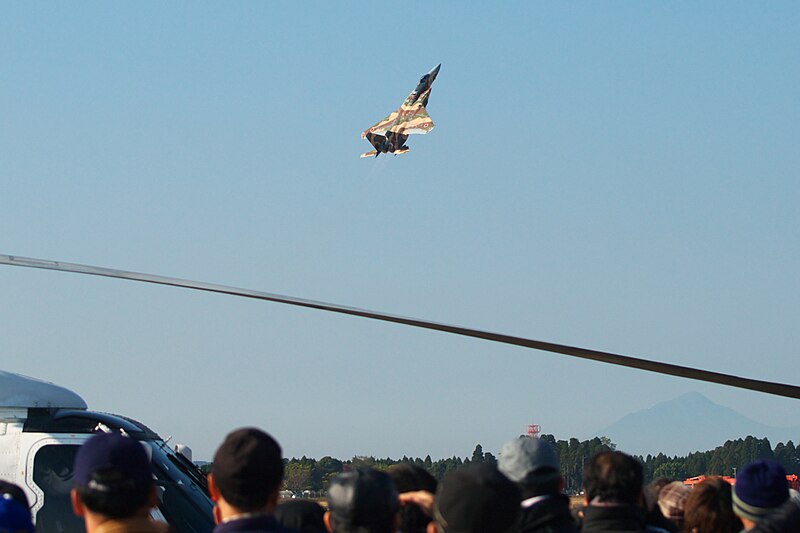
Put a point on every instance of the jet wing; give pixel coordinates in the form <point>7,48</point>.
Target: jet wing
<point>412,120</point>
<point>383,126</point>
<point>375,140</point>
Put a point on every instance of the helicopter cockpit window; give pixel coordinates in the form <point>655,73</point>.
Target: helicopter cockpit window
<point>52,473</point>
<point>183,502</point>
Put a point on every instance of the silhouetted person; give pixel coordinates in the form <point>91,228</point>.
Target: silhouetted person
<point>654,515</point>
<point>114,488</point>
<point>709,508</point>
<point>614,498</point>
<point>534,466</point>
<point>760,489</point>
<point>364,500</point>
<point>303,516</point>
<point>409,477</point>
<point>245,482</point>
<point>475,499</point>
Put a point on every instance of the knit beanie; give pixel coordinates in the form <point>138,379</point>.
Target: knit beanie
<point>760,487</point>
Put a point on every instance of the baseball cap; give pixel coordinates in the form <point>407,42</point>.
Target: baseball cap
<point>10,490</point>
<point>363,497</point>
<point>14,516</point>
<point>476,499</point>
<point>111,452</point>
<point>527,459</point>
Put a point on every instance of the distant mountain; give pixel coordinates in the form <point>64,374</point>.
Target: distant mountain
<point>688,423</point>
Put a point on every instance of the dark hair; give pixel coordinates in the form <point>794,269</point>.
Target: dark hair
<point>339,525</point>
<point>550,484</point>
<point>613,477</point>
<point>303,516</point>
<point>651,492</point>
<point>125,497</point>
<point>409,477</point>
<point>709,508</point>
<point>248,468</point>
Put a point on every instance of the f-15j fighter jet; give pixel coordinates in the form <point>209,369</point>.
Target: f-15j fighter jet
<point>390,134</point>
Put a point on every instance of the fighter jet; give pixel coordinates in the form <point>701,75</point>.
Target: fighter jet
<point>390,134</point>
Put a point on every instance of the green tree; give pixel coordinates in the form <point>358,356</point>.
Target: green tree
<point>675,469</point>
<point>297,477</point>
<point>606,442</point>
<point>787,455</point>
<point>477,455</point>
<point>361,461</point>
<point>326,469</point>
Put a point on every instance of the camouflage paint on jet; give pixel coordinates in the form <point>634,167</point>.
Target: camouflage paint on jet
<point>390,134</point>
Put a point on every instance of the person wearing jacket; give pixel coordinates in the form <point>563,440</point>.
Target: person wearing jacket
<point>534,466</point>
<point>113,486</point>
<point>245,482</point>
<point>614,498</point>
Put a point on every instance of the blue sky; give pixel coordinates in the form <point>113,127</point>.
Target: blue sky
<point>619,176</point>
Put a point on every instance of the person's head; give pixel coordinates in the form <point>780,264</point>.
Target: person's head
<point>613,477</point>
<point>532,464</point>
<point>303,516</point>
<point>246,474</point>
<point>15,517</point>
<point>672,501</point>
<point>709,508</point>
<point>760,488</point>
<point>112,478</point>
<point>362,501</point>
<point>409,477</point>
<point>475,499</point>
<point>652,489</point>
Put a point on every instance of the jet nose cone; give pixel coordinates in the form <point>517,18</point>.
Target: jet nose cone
<point>433,73</point>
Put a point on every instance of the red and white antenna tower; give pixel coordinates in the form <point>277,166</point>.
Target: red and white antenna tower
<point>534,430</point>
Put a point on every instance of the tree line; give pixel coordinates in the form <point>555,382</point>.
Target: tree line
<point>306,474</point>
<point>314,475</point>
<point>723,460</point>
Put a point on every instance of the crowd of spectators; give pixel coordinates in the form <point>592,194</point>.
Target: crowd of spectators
<point>114,492</point>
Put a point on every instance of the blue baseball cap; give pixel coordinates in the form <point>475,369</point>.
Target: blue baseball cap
<point>111,452</point>
<point>14,516</point>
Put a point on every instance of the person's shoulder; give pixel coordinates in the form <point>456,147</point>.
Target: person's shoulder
<point>281,529</point>
<point>276,529</point>
<point>133,525</point>
<point>784,519</point>
<point>257,526</point>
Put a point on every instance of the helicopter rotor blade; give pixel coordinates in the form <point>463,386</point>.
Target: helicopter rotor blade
<point>779,389</point>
